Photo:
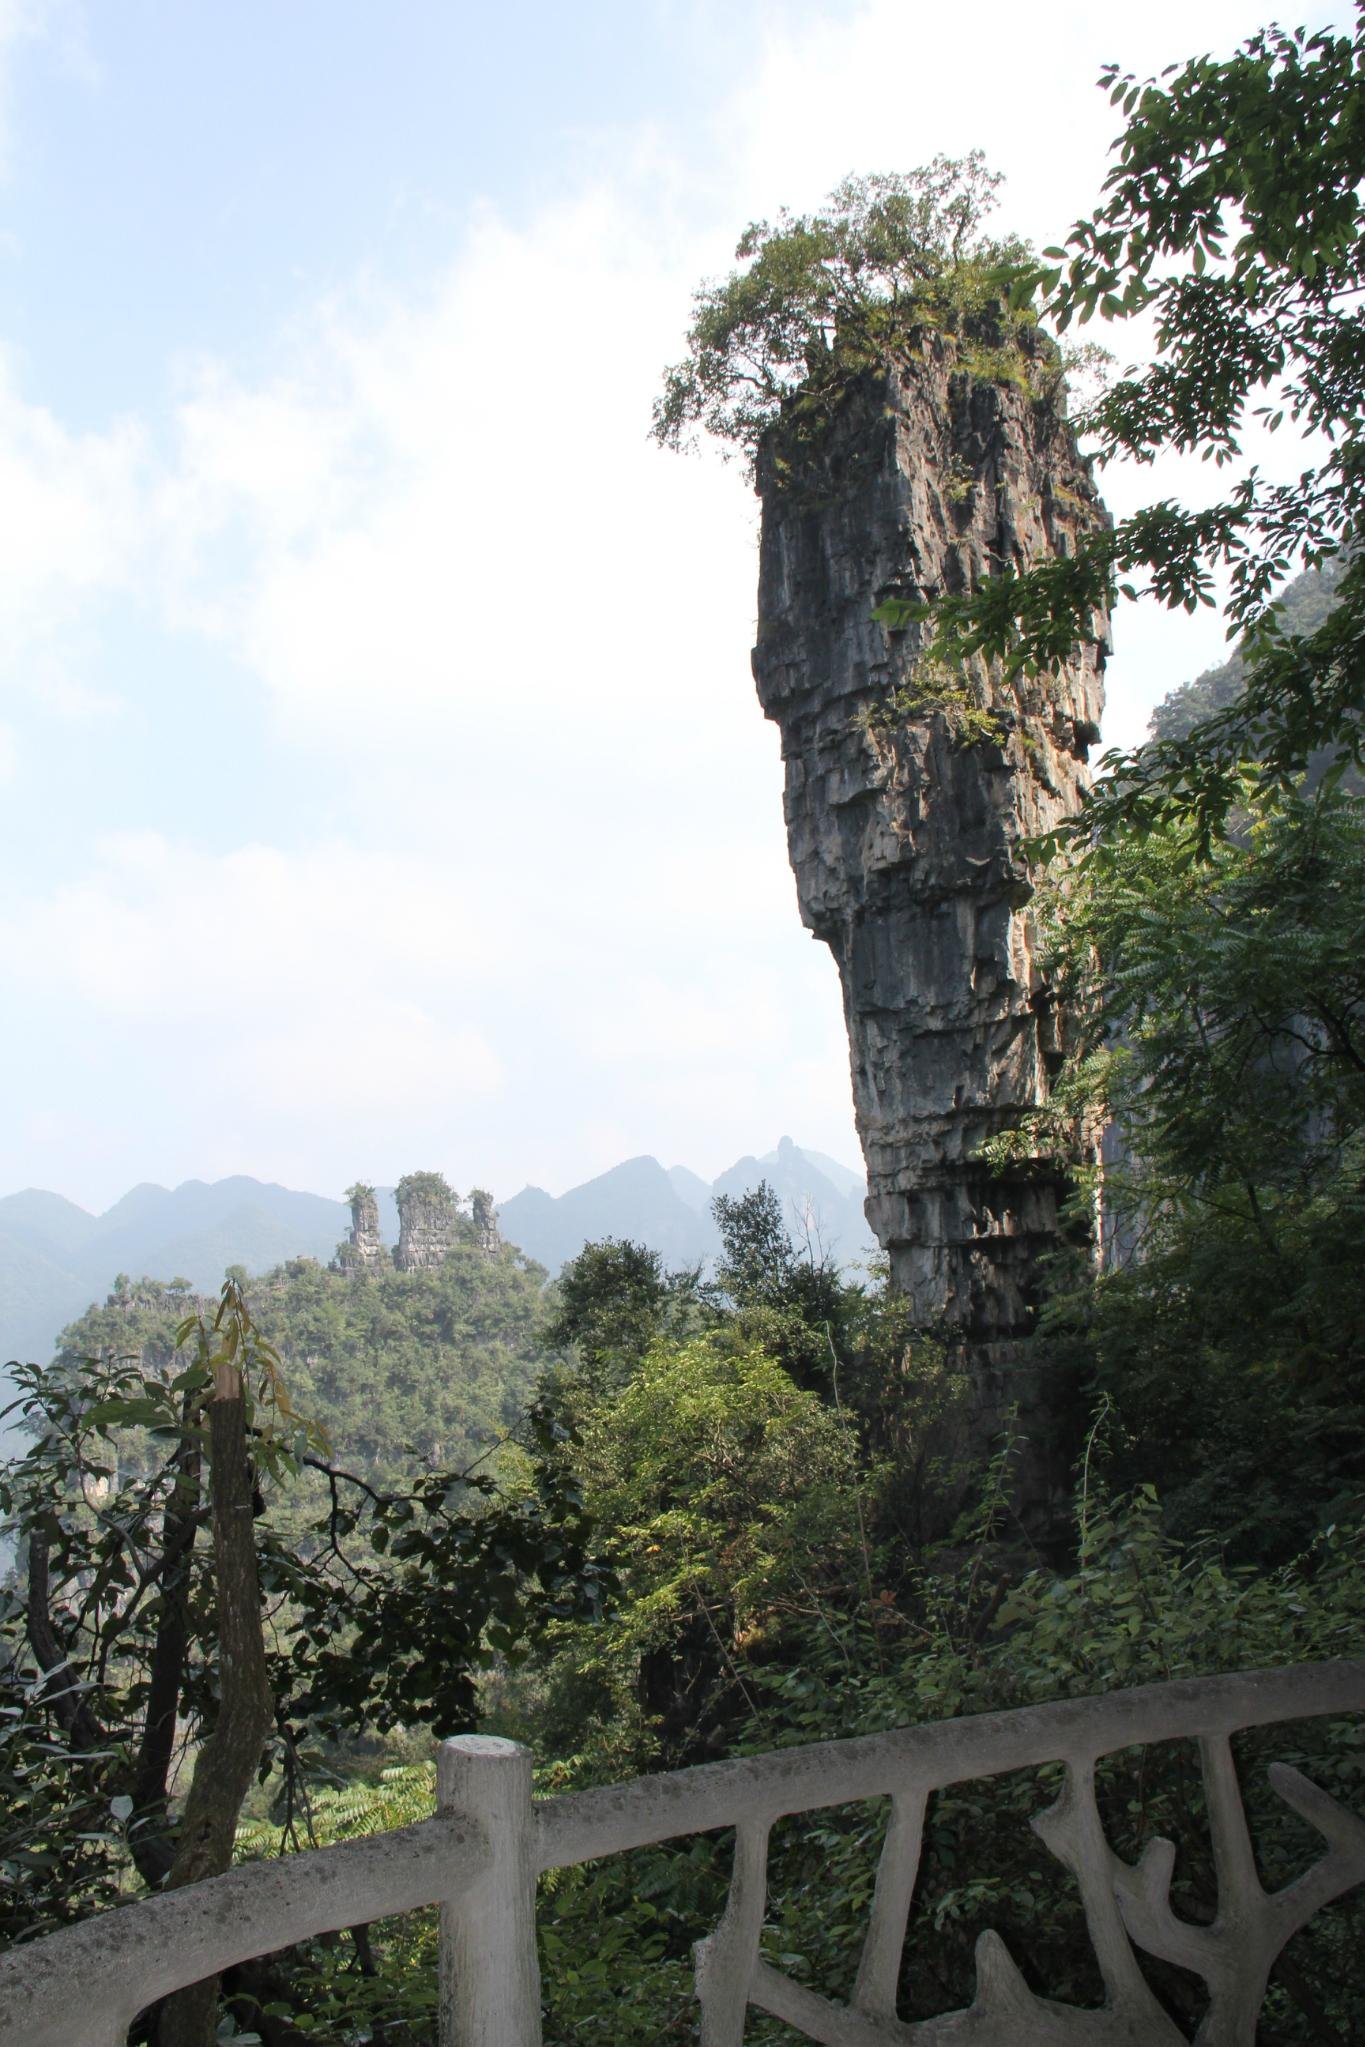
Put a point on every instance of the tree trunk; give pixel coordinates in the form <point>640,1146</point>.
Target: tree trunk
<point>227,1763</point>
<point>151,1849</point>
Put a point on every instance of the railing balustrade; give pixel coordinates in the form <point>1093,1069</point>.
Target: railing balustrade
<point>480,1855</point>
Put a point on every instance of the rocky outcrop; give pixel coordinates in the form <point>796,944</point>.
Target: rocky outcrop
<point>485,1219</point>
<point>426,1221</point>
<point>364,1250</point>
<point>430,1221</point>
<point>909,790</point>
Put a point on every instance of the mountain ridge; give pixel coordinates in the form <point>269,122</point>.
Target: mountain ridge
<point>56,1257</point>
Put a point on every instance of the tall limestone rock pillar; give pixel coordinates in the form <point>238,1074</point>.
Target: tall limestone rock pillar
<point>426,1221</point>
<point>365,1250</point>
<point>908,792</point>
<point>484,1216</point>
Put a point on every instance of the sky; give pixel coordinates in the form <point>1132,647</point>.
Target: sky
<point>381,779</point>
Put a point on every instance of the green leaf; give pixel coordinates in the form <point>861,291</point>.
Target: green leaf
<point>125,1414</point>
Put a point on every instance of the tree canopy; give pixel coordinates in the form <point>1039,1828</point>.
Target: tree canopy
<point>826,293</point>
<point>1234,219</point>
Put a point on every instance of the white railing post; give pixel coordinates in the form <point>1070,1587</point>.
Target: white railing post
<point>490,1976</point>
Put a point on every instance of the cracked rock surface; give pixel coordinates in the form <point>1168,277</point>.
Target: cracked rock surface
<point>908,791</point>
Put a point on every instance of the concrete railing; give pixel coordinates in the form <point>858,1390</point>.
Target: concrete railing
<point>479,1857</point>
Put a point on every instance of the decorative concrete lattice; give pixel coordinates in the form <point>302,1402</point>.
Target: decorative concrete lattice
<point>1123,1905</point>
<point>1126,1907</point>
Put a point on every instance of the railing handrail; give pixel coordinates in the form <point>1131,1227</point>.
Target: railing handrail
<point>119,1962</point>
<point>608,1819</point>
<point>479,1855</point>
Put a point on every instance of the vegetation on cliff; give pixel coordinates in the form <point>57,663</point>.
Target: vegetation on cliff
<point>822,297</point>
<point>1235,215</point>
<point>1218,1024</point>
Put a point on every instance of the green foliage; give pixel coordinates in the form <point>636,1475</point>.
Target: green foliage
<point>616,1943</point>
<point>401,1794</point>
<point>1138,1608</point>
<point>970,715</point>
<point>382,1605</point>
<point>972,1637</point>
<point>791,1301</point>
<point>1234,215</point>
<point>433,1366</point>
<point>433,1188</point>
<point>727,1499</point>
<point>1218,1012</point>
<point>824,296</point>
<point>613,1300</point>
<point>379,1981</point>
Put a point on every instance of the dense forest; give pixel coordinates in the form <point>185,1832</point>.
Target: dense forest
<point>428,1367</point>
<point>640,1519</point>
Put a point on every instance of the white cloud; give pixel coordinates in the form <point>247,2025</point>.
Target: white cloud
<point>72,530</point>
<point>263,998</point>
<point>457,514</point>
<point>68,502</point>
<point>695,1020</point>
<point>275,453</point>
<point>170,934</point>
<point>380,1058</point>
<point>888,86</point>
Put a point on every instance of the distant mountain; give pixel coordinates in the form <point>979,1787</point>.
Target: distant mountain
<point>45,1222</point>
<point>56,1258</point>
<point>690,1187</point>
<point>821,1212</point>
<point>37,1296</point>
<point>637,1200</point>
<point>1301,608</point>
<point>844,1178</point>
<point>671,1210</point>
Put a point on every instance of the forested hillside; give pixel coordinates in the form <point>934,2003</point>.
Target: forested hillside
<point>401,1369</point>
<point>55,1257</point>
<point>1302,608</point>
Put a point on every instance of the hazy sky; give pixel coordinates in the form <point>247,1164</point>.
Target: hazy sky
<point>382,781</point>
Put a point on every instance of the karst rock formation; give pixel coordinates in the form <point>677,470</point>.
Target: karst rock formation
<point>426,1222</point>
<point>909,790</point>
<point>365,1251</point>
<point>430,1224</point>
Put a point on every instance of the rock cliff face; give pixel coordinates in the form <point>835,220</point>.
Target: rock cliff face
<point>484,1216</point>
<point>426,1221</point>
<point>908,791</point>
<point>430,1221</point>
<point>365,1250</point>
